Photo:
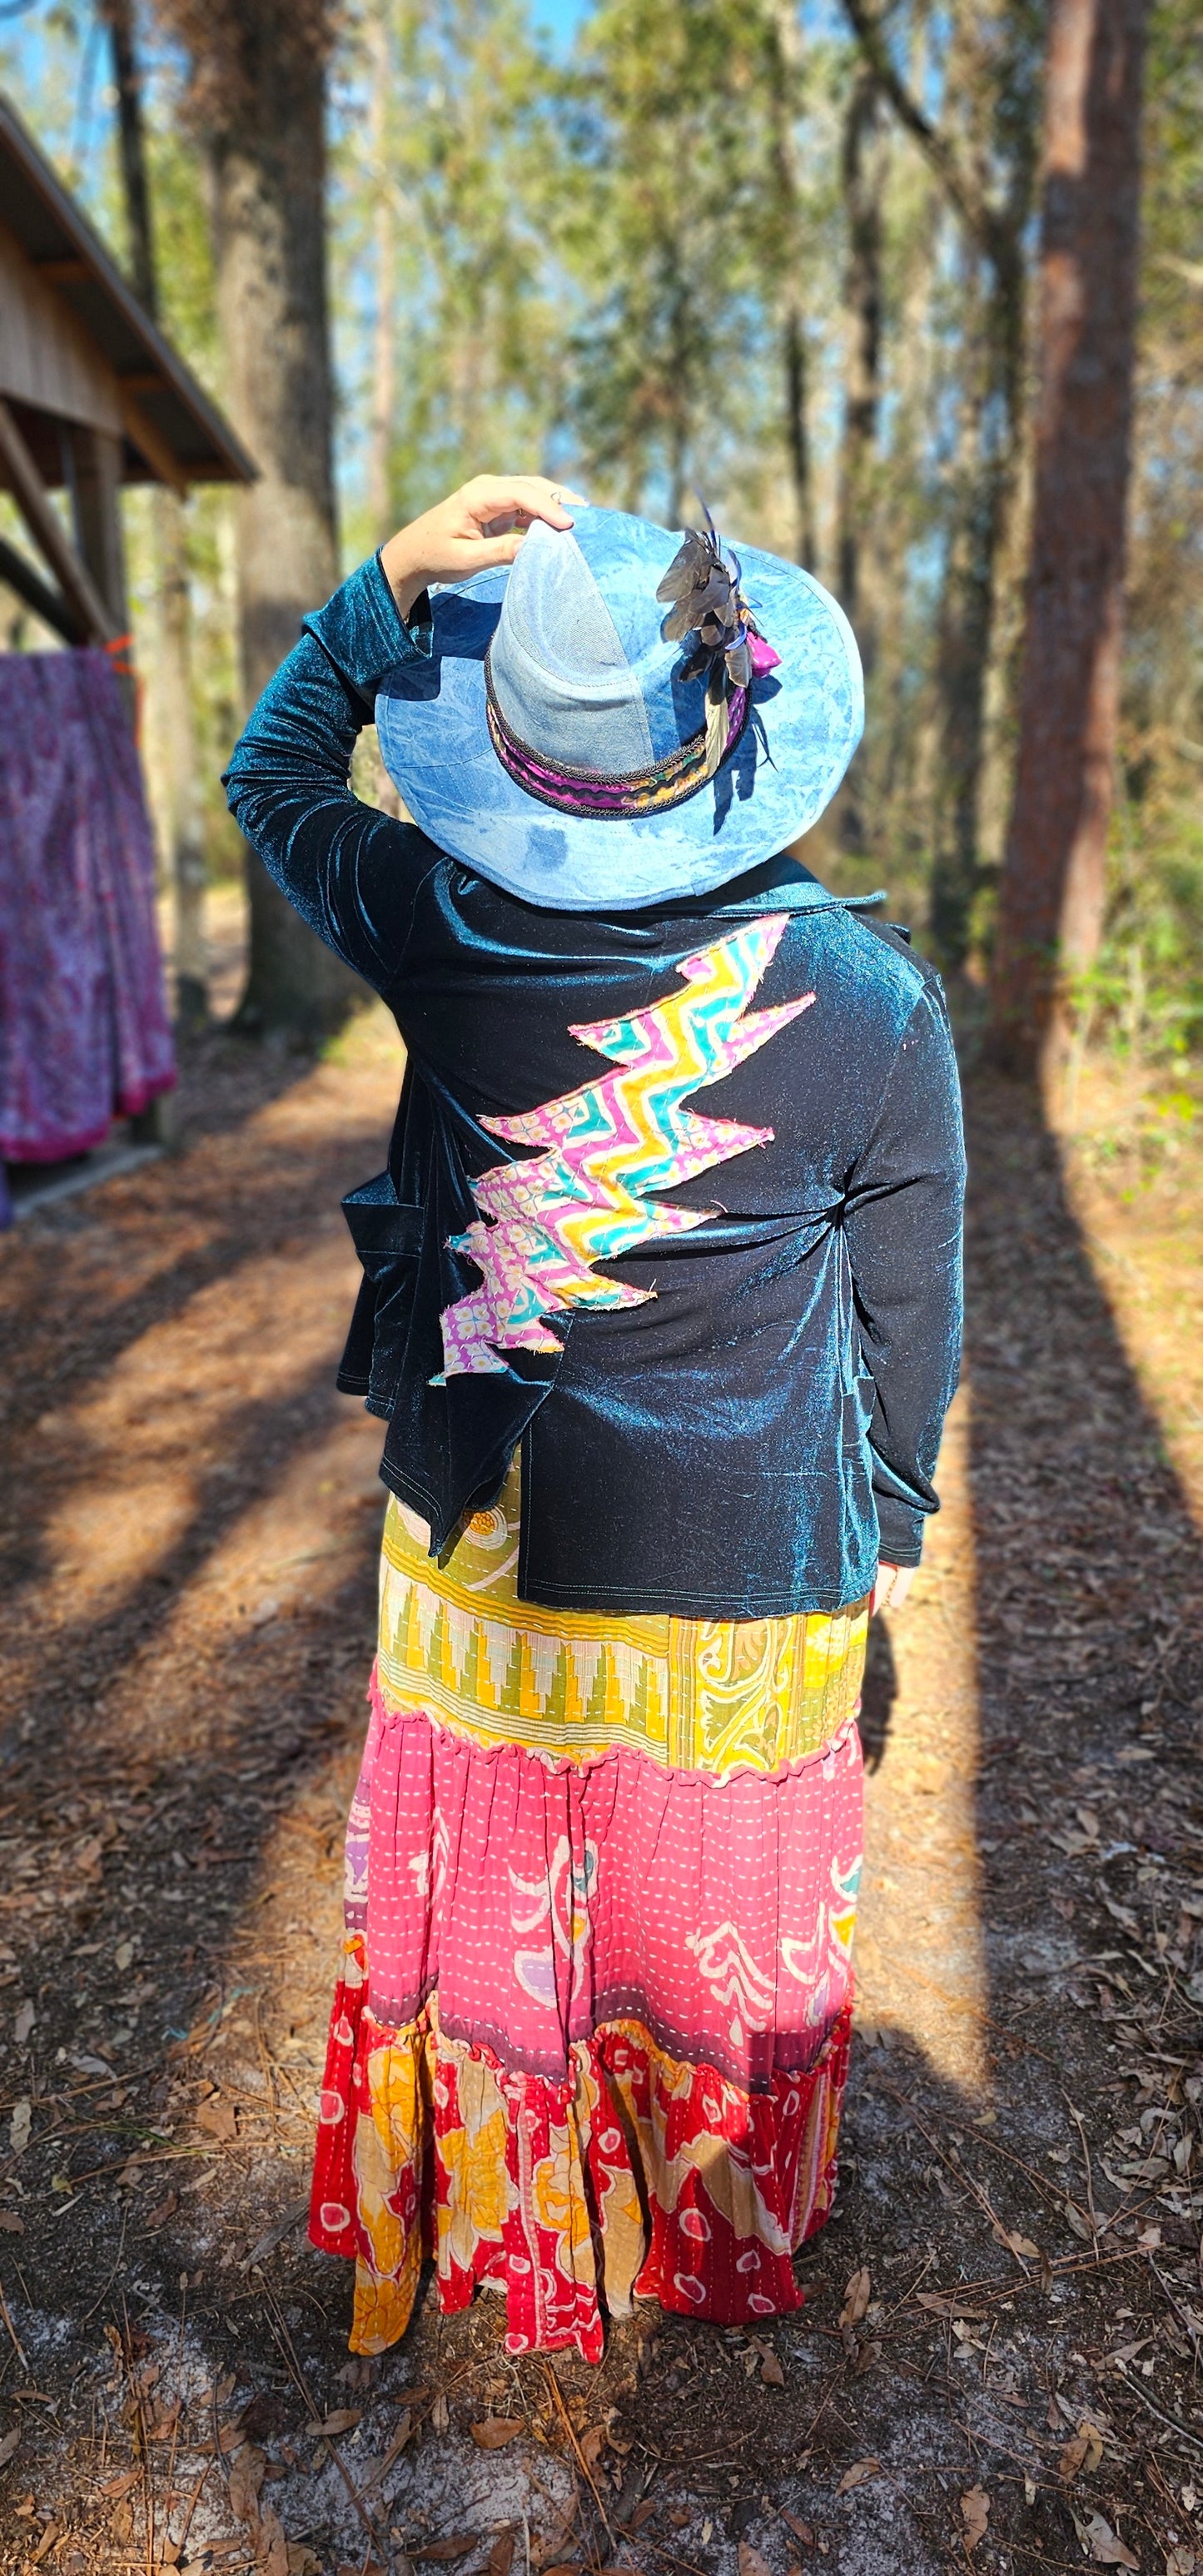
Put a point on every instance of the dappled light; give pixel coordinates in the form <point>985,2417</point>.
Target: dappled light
<point>920,1959</point>
<point>182,1749</point>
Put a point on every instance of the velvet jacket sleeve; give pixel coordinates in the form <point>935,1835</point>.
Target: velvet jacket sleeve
<point>352,872</point>
<point>903,1228</point>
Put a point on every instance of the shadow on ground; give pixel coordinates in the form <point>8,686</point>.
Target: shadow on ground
<point>191,1552</point>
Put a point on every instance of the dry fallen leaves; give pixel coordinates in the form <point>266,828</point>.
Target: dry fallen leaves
<point>271,2555</point>
<point>750,2561</point>
<point>218,2121</point>
<point>501,2554</point>
<point>497,2430</point>
<point>803,2531</point>
<point>1083,2451</point>
<point>8,2445</point>
<point>1106,2549</point>
<point>396,2446</point>
<point>247,2471</point>
<point>975,2514</point>
<point>856,2297</point>
<point>10,2224</point>
<point>443,2550</point>
<point>857,2474</point>
<point>343,2420</point>
<point>1017,2244</point>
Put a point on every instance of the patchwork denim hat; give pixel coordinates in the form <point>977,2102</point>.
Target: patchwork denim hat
<point>589,749</point>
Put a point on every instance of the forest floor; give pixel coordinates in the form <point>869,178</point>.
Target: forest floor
<point>998,2354</point>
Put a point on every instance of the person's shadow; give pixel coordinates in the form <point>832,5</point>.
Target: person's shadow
<point>879,1691</point>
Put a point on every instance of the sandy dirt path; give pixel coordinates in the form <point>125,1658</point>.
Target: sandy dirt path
<point>189,1521</point>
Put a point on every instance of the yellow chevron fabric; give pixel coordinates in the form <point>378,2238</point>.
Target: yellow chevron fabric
<point>691,1693</point>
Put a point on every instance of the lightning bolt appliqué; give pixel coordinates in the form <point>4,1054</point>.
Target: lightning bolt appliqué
<point>546,1220</point>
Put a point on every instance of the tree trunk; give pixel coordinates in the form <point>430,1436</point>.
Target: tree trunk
<point>182,803</point>
<point>1051,913</point>
<point>268,160</point>
<point>173,677</point>
<point>384,334</point>
<point>988,473</point>
<point>783,72</point>
<point>127,81</point>
<point>862,170</point>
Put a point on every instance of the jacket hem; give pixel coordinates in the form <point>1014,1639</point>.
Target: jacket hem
<point>636,1601</point>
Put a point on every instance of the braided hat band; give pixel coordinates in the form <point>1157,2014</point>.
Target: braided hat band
<point>619,796</point>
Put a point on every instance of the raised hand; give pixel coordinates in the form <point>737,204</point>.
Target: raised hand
<point>481,525</point>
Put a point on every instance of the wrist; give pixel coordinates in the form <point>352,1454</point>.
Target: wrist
<point>406,578</point>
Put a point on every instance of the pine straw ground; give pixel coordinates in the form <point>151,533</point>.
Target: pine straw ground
<point>998,2354</point>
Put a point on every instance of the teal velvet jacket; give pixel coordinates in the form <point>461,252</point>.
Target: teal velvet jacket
<point>673,1199</point>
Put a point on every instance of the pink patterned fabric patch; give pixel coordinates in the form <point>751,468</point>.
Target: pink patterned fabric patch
<point>542,1903</point>
<point>84,1031</point>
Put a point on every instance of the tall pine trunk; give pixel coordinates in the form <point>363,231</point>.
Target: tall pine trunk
<point>384,329</point>
<point>258,100</point>
<point>1053,889</point>
<point>862,173</point>
<point>784,67</point>
<point>173,639</point>
<point>267,145</point>
<point>988,474</point>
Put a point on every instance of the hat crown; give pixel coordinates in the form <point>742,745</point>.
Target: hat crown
<point>578,665</point>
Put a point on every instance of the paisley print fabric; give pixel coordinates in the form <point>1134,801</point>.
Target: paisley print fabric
<point>429,2147</point>
<point>590,2038</point>
<point>85,1032</point>
<point>541,1903</point>
<point>689,1693</point>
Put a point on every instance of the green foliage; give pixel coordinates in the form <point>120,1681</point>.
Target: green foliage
<point>665,225</point>
<point>469,154</point>
<point>583,262</point>
<point>1144,998</point>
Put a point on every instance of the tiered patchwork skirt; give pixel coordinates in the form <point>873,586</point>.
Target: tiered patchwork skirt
<point>591,2034</point>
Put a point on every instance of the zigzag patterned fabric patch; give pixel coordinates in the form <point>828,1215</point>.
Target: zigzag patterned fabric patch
<point>583,1197</point>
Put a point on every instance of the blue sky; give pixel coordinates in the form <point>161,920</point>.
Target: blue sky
<point>561,19</point>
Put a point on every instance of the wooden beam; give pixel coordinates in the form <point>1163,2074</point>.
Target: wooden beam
<point>49,534</point>
<point>63,272</point>
<point>38,595</point>
<point>98,458</point>
<point>143,380</point>
<point>151,443</point>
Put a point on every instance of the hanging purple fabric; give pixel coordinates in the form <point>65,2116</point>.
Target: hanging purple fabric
<point>84,1031</point>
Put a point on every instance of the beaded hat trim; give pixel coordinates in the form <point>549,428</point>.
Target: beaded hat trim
<point>619,796</point>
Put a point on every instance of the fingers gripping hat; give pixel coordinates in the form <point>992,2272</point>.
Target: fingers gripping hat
<point>622,718</point>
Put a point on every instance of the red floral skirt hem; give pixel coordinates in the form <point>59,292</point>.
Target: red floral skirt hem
<point>641,2175</point>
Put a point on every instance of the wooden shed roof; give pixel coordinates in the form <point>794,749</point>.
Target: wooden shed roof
<point>159,392</point>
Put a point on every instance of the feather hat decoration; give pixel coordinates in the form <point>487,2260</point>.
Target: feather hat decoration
<point>705,601</point>
<point>545,735</point>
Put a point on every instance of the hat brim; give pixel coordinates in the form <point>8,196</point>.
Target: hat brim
<point>805,723</point>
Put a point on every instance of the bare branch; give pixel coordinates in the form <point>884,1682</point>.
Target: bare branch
<point>977,214</point>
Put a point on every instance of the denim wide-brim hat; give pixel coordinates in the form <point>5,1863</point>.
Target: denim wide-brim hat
<point>552,742</point>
